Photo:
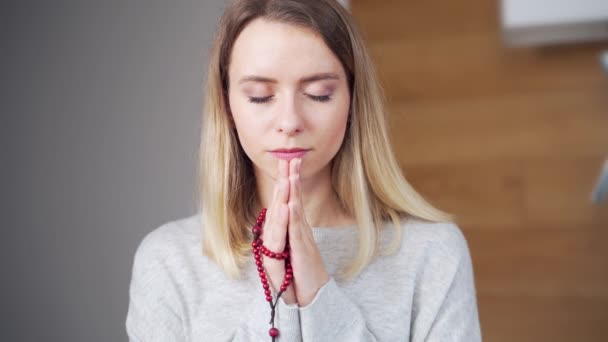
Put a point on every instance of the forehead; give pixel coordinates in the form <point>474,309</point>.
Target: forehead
<point>279,50</point>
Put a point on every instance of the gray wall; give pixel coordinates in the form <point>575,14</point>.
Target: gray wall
<point>100,118</point>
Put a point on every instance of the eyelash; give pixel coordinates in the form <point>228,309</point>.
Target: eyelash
<point>322,98</point>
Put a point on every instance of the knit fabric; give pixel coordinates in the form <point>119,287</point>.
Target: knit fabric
<point>424,292</point>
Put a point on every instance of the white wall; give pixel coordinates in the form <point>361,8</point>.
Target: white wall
<point>100,114</point>
<point>543,22</point>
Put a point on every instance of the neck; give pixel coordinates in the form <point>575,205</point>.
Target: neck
<point>320,202</point>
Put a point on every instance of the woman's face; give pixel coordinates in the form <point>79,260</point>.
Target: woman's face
<point>288,92</point>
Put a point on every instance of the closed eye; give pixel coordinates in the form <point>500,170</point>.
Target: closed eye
<point>322,98</point>
<point>260,99</point>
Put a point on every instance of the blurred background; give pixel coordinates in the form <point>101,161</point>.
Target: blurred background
<point>511,140</point>
<point>497,116</point>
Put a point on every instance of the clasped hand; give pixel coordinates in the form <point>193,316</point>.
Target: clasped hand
<point>286,215</point>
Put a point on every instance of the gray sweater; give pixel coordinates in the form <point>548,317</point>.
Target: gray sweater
<point>425,292</point>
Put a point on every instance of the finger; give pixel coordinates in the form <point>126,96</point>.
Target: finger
<point>295,201</point>
<point>283,219</point>
<point>283,168</point>
<point>294,224</point>
<point>294,177</point>
<point>272,207</point>
<point>283,182</point>
<point>282,185</point>
<point>277,222</point>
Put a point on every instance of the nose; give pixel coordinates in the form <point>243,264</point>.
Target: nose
<point>289,118</point>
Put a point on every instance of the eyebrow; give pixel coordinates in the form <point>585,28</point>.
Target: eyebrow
<point>308,79</point>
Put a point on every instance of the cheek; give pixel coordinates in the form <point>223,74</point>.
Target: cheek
<point>333,133</point>
<point>248,135</point>
<point>336,126</point>
<point>243,123</point>
<point>336,134</point>
<point>250,126</point>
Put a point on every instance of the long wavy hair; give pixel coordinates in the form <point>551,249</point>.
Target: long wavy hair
<point>365,173</point>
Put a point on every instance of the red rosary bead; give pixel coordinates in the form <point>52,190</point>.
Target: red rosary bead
<point>259,249</point>
<point>274,255</point>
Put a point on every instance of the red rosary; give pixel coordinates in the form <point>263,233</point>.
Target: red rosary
<point>258,250</point>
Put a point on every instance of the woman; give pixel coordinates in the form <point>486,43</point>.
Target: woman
<point>347,250</point>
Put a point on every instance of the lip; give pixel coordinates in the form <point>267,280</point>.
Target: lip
<point>289,153</point>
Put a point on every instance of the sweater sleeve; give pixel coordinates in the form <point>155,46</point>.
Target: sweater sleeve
<point>332,316</point>
<point>256,325</point>
<point>155,310</point>
<point>445,304</point>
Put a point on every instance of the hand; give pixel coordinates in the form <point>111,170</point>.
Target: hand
<point>275,231</point>
<point>309,273</point>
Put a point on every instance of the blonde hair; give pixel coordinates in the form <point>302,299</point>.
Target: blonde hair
<point>375,190</point>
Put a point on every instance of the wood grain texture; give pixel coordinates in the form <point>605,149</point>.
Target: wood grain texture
<point>535,318</point>
<point>510,141</point>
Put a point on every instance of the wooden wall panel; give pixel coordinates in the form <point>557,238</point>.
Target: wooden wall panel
<point>535,318</point>
<point>510,141</point>
<point>476,64</point>
<point>570,123</point>
<point>548,262</point>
